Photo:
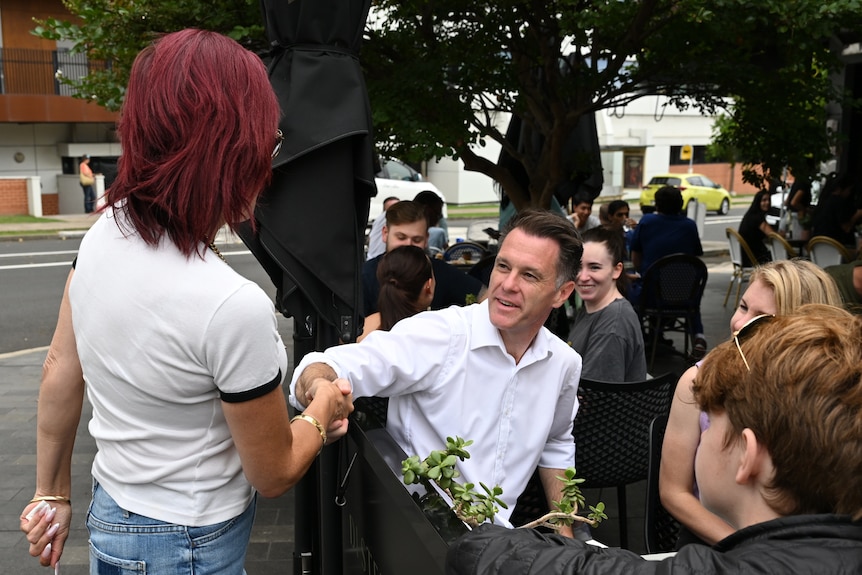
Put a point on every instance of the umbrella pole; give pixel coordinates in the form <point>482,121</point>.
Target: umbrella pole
<point>318,544</point>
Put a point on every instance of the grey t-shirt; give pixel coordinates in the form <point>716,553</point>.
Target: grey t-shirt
<point>611,343</point>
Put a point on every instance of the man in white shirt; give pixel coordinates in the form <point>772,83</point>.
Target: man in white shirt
<point>489,372</point>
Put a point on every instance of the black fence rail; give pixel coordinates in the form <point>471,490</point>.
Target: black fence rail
<point>38,72</point>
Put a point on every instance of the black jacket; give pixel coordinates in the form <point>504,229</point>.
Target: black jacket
<point>816,544</point>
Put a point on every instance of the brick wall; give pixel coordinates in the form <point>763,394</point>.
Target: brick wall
<point>13,197</point>
<point>50,204</point>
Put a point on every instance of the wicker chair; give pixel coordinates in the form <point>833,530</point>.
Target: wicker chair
<point>825,251</point>
<point>778,247</point>
<point>741,273</point>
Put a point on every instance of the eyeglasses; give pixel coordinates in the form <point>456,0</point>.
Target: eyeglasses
<point>747,329</point>
<point>279,140</point>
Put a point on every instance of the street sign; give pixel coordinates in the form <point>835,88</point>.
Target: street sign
<point>685,152</point>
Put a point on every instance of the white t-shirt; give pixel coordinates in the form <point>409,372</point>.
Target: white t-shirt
<point>447,373</point>
<point>162,340</point>
<point>376,246</point>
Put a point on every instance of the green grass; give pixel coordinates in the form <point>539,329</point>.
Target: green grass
<point>473,211</point>
<point>26,220</point>
<point>22,219</point>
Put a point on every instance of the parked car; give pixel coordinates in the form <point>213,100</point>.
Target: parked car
<point>693,187</point>
<point>400,180</point>
<point>776,203</point>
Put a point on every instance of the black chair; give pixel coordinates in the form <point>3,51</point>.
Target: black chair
<point>531,504</point>
<point>612,433</point>
<point>670,298</point>
<point>661,530</point>
<point>466,252</point>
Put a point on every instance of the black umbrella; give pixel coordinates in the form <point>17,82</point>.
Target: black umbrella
<point>310,222</point>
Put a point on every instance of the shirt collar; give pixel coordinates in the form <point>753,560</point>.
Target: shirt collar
<point>484,334</point>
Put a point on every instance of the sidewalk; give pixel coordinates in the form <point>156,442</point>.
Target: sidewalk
<point>271,548</point>
<point>64,226</point>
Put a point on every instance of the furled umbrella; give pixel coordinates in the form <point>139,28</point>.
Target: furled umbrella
<point>310,222</point>
<point>309,225</point>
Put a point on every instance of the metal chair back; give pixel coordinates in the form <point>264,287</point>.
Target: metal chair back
<point>825,251</point>
<point>611,432</point>
<point>464,252</point>
<point>672,290</point>
<point>741,272</point>
<point>778,247</point>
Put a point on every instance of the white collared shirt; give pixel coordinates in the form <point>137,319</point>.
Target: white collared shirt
<point>447,373</point>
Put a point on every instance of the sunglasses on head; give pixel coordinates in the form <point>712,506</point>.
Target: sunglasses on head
<point>746,330</point>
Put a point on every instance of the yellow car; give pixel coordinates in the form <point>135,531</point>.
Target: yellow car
<point>693,187</point>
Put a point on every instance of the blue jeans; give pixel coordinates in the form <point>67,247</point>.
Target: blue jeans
<point>89,199</point>
<point>123,543</point>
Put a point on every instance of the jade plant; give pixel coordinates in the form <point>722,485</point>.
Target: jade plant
<point>474,508</point>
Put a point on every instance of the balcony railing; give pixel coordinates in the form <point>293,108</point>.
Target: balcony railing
<point>34,72</point>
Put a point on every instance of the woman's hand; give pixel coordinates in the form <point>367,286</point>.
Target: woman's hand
<point>337,398</point>
<point>46,525</point>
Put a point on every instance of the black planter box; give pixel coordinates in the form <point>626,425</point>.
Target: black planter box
<point>388,527</point>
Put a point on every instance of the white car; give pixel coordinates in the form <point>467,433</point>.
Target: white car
<point>400,180</point>
<point>776,203</point>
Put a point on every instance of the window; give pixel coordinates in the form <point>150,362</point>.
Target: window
<point>633,173</point>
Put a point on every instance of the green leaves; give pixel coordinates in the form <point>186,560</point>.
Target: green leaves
<point>114,32</point>
<point>473,507</point>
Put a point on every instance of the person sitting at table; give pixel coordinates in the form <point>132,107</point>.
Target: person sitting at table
<point>619,216</point>
<point>438,228</point>
<point>604,218</point>
<point>488,372</point>
<point>582,212</point>
<point>662,233</point>
<point>780,462</point>
<point>406,287</point>
<point>776,288</point>
<point>848,277</point>
<point>837,211</point>
<point>406,224</point>
<point>606,331</point>
<point>754,229</point>
<point>376,245</point>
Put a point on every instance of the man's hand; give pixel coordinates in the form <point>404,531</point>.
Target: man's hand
<point>311,378</point>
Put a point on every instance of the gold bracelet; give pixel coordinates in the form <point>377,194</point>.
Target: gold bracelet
<point>51,498</point>
<point>320,429</point>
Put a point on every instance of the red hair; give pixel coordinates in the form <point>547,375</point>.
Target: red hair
<point>198,128</point>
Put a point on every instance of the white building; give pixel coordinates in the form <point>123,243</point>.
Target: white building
<point>637,142</point>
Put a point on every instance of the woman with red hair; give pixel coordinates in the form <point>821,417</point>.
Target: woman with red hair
<point>179,354</point>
